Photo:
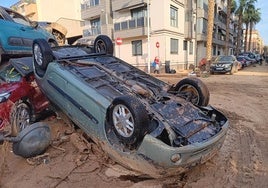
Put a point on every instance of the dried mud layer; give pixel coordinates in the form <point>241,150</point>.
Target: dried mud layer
<point>73,161</point>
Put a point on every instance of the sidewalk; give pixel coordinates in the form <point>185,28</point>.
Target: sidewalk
<point>181,73</point>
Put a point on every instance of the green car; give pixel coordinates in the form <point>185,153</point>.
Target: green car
<point>141,122</point>
<point>18,32</point>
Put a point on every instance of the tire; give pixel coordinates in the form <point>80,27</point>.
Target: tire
<point>103,44</point>
<point>194,91</point>
<point>42,56</point>
<point>21,117</point>
<point>53,43</point>
<point>129,120</point>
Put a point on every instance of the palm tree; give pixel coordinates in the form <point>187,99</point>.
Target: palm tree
<point>246,20</point>
<point>255,18</point>
<point>239,12</point>
<point>231,6</point>
<point>211,4</point>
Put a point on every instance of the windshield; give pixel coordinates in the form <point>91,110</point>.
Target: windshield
<point>9,74</point>
<point>225,58</point>
<point>18,18</point>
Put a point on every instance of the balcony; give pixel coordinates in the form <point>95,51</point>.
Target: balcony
<point>131,28</point>
<point>126,4</point>
<point>89,12</point>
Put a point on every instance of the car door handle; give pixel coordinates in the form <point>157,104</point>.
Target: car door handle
<point>22,28</point>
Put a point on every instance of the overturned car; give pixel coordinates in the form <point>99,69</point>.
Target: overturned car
<point>141,122</point>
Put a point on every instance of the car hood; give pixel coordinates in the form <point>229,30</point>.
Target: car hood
<point>223,62</point>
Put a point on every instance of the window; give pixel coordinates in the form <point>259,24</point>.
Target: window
<point>94,2</point>
<point>173,16</point>
<point>95,26</point>
<point>205,25</point>
<point>185,45</point>
<point>139,12</point>
<point>174,46</point>
<point>136,47</point>
<point>191,48</point>
<point>89,3</point>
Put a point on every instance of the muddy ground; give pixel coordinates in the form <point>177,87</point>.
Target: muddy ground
<point>241,162</point>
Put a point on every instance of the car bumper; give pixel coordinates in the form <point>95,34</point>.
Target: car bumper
<point>196,153</point>
<point>220,69</point>
<point>158,160</point>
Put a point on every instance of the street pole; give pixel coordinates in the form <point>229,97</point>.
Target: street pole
<point>148,36</point>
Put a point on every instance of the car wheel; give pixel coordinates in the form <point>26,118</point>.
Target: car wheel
<point>194,91</point>
<point>129,120</point>
<point>20,117</point>
<point>53,43</point>
<point>42,55</point>
<point>103,44</point>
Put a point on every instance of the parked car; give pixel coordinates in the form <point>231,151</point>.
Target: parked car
<point>250,56</point>
<point>139,121</point>
<point>225,64</point>
<point>87,41</point>
<point>20,98</point>
<point>18,32</point>
<point>245,61</point>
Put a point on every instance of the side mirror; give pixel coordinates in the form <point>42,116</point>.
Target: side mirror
<point>34,24</point>
<point>31,141</point>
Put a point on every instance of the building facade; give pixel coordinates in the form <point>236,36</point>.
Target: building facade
<point>173,30</point>
<point>65,13</point>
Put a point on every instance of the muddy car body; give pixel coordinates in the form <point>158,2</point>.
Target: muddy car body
<point>141,122</point>
<point>20,98</point>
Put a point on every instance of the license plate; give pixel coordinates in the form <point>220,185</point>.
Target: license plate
<point>219,68</point>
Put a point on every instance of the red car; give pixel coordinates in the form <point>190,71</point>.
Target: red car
<point>21,101</point>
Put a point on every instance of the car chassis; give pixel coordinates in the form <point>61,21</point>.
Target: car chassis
<point>141,122</point>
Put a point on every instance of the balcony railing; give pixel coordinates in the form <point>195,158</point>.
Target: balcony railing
<point>91,31</point>
<point>131,24</point>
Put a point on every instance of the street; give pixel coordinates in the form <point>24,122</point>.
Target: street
<point>241,162</point>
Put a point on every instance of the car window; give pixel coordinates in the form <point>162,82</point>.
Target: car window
<point>10,74</point>
<point>18,18</point>
<point>225,58</point>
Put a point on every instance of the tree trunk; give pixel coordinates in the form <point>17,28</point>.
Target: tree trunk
<point>250,36</point>
<point>246,39</point>
<point>211,4</point>
<point>239,35</point>
<point>226,48</point>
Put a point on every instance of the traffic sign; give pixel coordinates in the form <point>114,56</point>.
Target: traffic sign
<point>119,41</point>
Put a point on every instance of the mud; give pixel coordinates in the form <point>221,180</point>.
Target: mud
<point>241,162</point>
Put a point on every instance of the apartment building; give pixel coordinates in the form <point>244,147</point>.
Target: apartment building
<point>219,30</point>
<point>66,13</point>
<point>257,43</point>
<point>128,20</point>
<point>177,29</point>
<point>176,33</point>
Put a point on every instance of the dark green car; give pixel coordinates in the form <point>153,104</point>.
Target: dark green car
<point>141,122</point>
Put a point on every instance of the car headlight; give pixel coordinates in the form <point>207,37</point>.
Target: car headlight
<point>227,65</point>
<point>4,96</point>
